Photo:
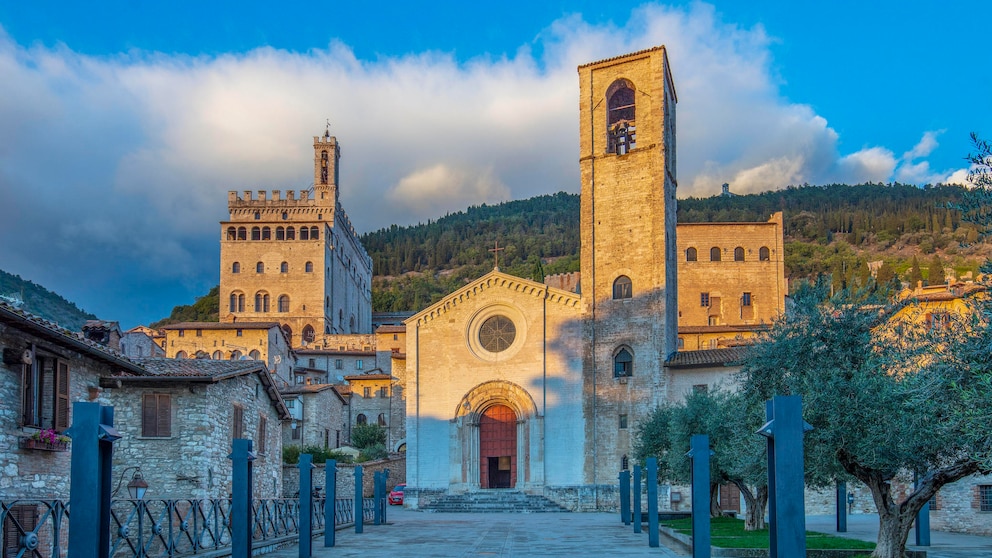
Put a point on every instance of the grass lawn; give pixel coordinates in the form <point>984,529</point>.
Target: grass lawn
<point>727,532</point>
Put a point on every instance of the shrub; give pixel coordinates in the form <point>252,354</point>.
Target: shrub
<point>291,455</point>
<point>368,435</point>
<point>371,453</point>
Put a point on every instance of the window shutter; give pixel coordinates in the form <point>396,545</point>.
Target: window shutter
<point>61,396</point>
<point>22,518</point>
<point>261,433</point>
<point>27,394</point>
<point>149,412</point>
<point>164,420</point>
<point>239,422</point>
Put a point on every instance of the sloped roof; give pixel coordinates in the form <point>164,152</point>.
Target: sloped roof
<point>222,325</point>
<point>707,358</point>
<point>52,331</point>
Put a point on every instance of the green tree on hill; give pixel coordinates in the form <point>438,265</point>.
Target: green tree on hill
<point>915,274</point>
<point>935,273</point>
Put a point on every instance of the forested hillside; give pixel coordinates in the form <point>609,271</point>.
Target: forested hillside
<point>834,229</point>
<point>42,302</point>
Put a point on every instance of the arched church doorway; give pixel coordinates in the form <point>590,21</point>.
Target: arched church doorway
<point>498,447</point>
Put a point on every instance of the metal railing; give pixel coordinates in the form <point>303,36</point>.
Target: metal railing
<point>163,528</point>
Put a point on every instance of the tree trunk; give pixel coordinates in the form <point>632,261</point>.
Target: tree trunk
<point>714,500</point>
<point>754,515</point>
<point>893,530</point>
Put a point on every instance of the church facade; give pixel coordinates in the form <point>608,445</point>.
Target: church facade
<point>515,384</point>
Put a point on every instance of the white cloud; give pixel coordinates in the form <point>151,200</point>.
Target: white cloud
<point>442,189</point>
<point>959,176</point>
<point>129,157</point>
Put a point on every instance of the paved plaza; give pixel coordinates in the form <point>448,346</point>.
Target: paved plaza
<point>440,535</point>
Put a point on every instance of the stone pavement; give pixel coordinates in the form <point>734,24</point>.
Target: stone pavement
<point>942,543</point>
<point>441,535</point>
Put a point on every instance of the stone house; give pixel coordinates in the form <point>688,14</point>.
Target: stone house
<point>377,398</point>
<point>45,369</point>
<point>260,341</point>
<point>318,416</point>
<point>178,419</point>
<point>143,342</point>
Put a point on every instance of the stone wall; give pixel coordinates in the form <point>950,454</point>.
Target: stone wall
<point>958,507</point>
<point>345,485</point>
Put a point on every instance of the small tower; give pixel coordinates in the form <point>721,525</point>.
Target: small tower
<point>326,155</point>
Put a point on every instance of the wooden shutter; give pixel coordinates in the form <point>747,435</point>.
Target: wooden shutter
<point>239,422</point>
<point>22,518</point>
<point>27,394</point>
<point>261,433</point>
<point>156,415</point>
<point>61,420</point>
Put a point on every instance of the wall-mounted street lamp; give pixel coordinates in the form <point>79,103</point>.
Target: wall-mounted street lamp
<point>136,487</point>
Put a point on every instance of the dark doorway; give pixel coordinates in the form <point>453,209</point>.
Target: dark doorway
<point>498,447</point>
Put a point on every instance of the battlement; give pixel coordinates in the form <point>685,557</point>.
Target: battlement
<point>306,198</point>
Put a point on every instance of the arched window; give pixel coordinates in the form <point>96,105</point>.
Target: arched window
<point>288,331</point>
<point>261,301</point>
<point>258,215</point>
<point>242,233</point>
<point>280,233</point>
<point>314,233</point>
<point>690,254</point>
<point>308,267</point>
<point>290,233</point>
<point>361,419</point>
<point>235,354</point>
<point>237,302</point>
<point>256,233</point>
<point>304,233</point>
<point>181,354</point>
<point>381,420</point>
<point>236,267</point>
<point>259,267</point>
<point>308,333</point>
<point>202,355</point>
<point>622,288</point>
<point>284,267</point>
<point>738,254</point>
<point>763,254</point>
<point>218,355</point>
<point>266,233</point>
<point>621,136</point>
<point>714,254</point>
<point>285,215</point>
<point>623,363</point>
<point>283,303</point>
<point>232,233</point>
<point>254,354</point>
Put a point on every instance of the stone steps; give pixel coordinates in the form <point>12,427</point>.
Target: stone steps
<point>494,501</point>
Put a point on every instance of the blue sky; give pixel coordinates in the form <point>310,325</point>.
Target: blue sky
<point>124,124</point>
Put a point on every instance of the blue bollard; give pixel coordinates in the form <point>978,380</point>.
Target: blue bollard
<point>376,497</point>
<point>652,464</point>
<point>699,452</point>
<point>359,501</point>
<point>331,492</point>
<point>785,473</point>
<point>922,527</point>
<point>93,435</point>
<point>385,494</point>
<point>306,505</point>
<point>241,516</point>
<point>637,499</point>
<point>841,507</point>
<point>625,497</point>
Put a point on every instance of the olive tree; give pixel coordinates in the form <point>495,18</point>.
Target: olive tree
<point>885,397</point>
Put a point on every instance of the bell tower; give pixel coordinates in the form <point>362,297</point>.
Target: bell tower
<point>627,163</point>
<point>326,155</point>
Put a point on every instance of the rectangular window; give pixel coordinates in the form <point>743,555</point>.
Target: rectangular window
<point>156,415</point>
<point>746,299</point>
<point>261,433</point>
<point>238,422</point>
<point>182,333</point>
<point>239,333</point>
<point>296,432</point>
<point>704,299</point>
<point>358,364</point>
<point>20,518</point>
<point>985,498</point>
<point>384,391</point>
<point>396,337</point>
<point>367,392</point>
<point>199,333</point>
<point>338,364</point>
<point>313,363</point>
<point>623,422</point>
<point>45,393</point>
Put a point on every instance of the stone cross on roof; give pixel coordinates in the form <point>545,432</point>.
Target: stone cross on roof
<point>496,252</point>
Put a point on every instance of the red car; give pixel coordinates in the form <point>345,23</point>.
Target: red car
<point>396,496</point>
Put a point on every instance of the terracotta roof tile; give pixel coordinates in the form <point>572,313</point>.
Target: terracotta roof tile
<point>711,357</point>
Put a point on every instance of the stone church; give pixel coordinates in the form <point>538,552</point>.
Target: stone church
<point>515,384</point>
